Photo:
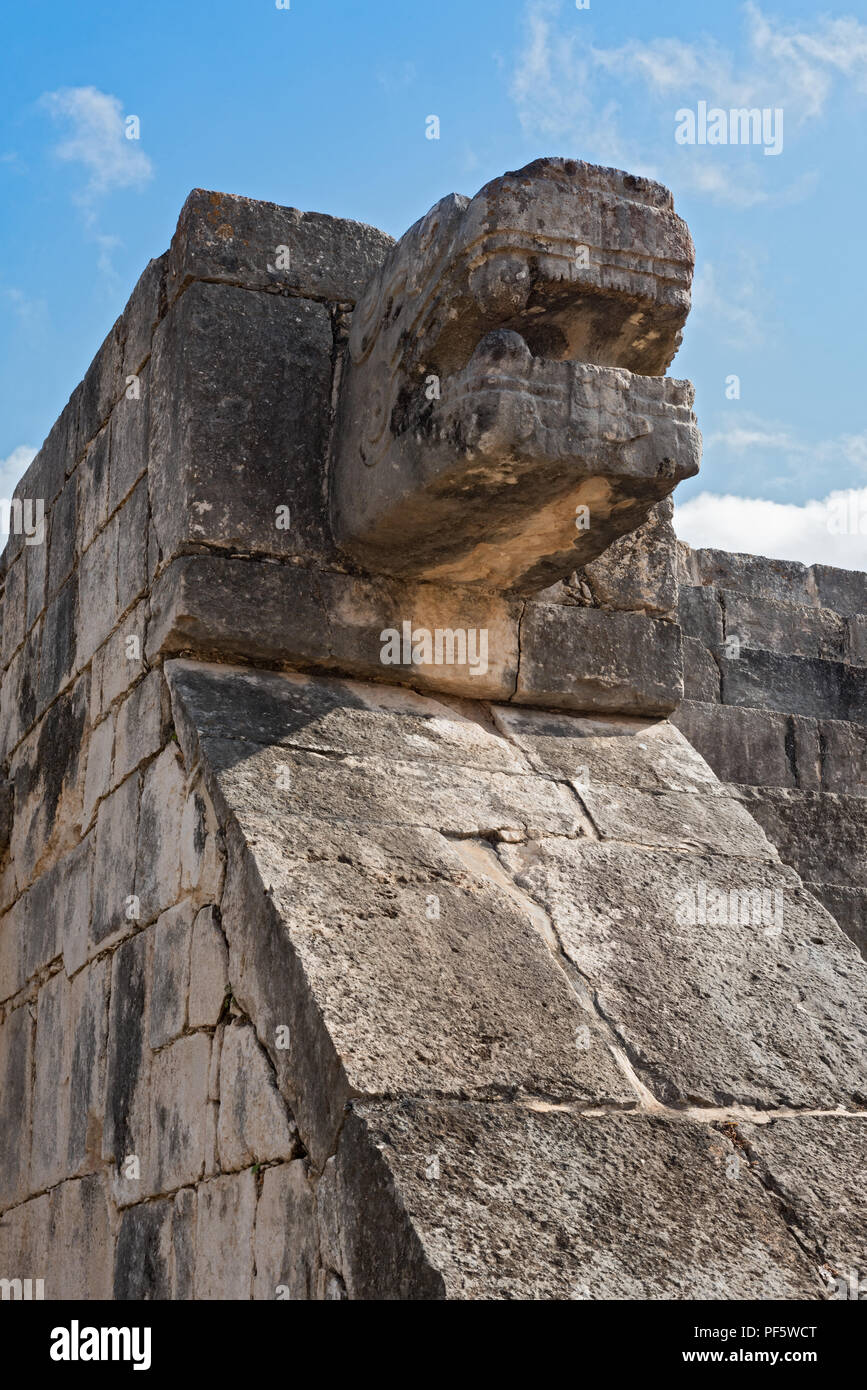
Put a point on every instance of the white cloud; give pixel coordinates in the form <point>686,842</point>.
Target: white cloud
<point>96,139</point>
<point>12,470</point>
<point>830,531</point>
<point>558,92</point>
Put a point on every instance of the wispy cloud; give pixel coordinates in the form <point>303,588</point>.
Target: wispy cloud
<point>831,530</point>
<point>751,434</point>
<point>559,87</point>
<point>96,139</point>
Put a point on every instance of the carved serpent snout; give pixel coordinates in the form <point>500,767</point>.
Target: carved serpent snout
<point>504,379</point>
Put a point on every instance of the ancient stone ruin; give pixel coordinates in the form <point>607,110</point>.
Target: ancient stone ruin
<point>421,876</point>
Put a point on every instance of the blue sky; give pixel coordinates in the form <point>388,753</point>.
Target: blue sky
<point>323,106</point>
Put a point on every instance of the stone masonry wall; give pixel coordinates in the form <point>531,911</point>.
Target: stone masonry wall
<point>117,1160</point>
<point>775,658</point>
<point>315,985</point>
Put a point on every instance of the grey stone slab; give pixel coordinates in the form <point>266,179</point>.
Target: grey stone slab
<point>63,529</point>
<point>755,575</point>
<point>254,1126</point>
<point>817,1165</point>
<point>789,684</point>
<point>700,615</point>
<point>126,1132</point>
<point>675,820</point>
<point>371,791</point>
<point>47,772</point>
<point>286,1252</point>
<point>171,974</point>
<point>132,526</point>
<point>701,673</point>
<point>141,726</point>
<point>613,749</point>
<point>142,1257</point>
<point>336,716</point>
<point>842,757</point>
<point>237,609</point>
<point>143,311</point>
<point>389,947</point>
<point>848,907</point>
<point>58,642</point>
<point>789,629</point>
<point>822,835</point>
<point>243,382</point>
<point>160,839</point>
<point>225,1220</point>
<point>130,424</point>
<point>209,970</point>
<point>638,572</point>
<point>79,1240</point>
<point>235,240</point>
<point>114,877</point>
<point>92,477</point>
<point>748,746</point>
<point>16,1052</point>
<point>552,1206</point>
<point>843,590</point>
<point>765,1007</point>
<point>178,1099</point>
<point>584,659</point>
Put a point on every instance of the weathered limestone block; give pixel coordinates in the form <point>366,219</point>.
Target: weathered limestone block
<point>24,1242</point>
<point>544,1205</point>
<point>253,1125</point>
<point>638,572</point>
<point>756,576</point>
<point>848,907</point>
<point>789,629</point>
<point>582,658</point>
<point>97,778</point>
<point>534,411</point>
<point>46,771</point>
<point>91,476</point>
<point>158,856</point>
<point>675,820</point>
<point>373,792</point>
<point>749,746</point>
<point>117,664</point>
<point>78,1241</point>
<point>700,615</point>
<point>171,966</point>
<point>115,911</point>
<point>141,727</point>
<point>822,835</point>
<point>327,715</point>
<point>732,1029</point>
<point>209,970</point>
<point>795,685</point>
<point>286,1253</point>
<point>237,241</point>
<point>701,672</point>
<point>817,1164</point>
<point>643,753</point>
<point>179,1095</point>
<point>225,1218</point>
<point>126,1133</point>
<point>15,1104</point>
<point>70,1051</point>
<point>843,590</point>
<point>243,382</point>
<point>236,609</point>
<point>142,1257</point>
